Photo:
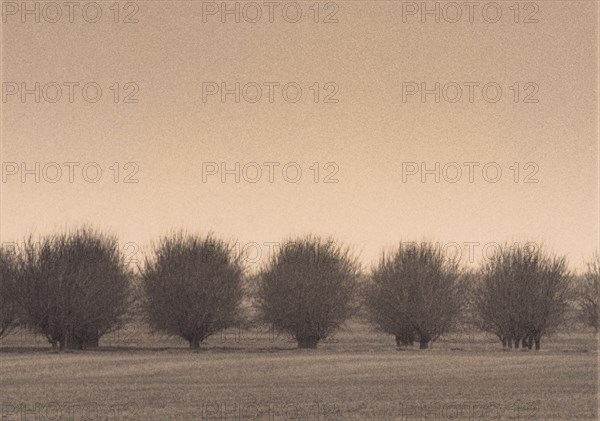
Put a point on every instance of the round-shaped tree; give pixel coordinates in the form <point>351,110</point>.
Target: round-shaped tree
<point>522,294</point>
<point>415,293</point>
<point>192,287</point>
<point>307,290</point>
<point>73,287</point>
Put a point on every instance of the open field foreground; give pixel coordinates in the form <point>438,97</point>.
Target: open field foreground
<point>358,376</point>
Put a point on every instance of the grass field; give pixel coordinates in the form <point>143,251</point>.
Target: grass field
<point>357,376</point>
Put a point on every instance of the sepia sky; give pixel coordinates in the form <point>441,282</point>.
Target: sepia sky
<point>363,61</point>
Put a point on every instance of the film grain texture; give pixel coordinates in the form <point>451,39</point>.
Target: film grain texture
<point>299,210</point>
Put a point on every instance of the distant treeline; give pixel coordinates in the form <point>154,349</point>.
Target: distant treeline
<point>77,286</point>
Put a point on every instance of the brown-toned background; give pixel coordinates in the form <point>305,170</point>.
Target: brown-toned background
<point>368,53</point>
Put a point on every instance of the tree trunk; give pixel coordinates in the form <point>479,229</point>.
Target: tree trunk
<point>92,341</point>
<point>69,339</point>
<point>194,343</point>
<point>510,345</point>
<point>424,340</point>
<point>72,342</point>
<point>517,340</point>
<point>538,342</point>
<point>504,343</point>
<point>398,341</point>
<point>308,343</point>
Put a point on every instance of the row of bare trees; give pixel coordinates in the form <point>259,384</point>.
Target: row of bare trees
<point>75,287</point>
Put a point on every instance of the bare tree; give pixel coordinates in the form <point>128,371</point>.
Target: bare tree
<point>587,295</point>
<point>8,280</point>
<point>522,294</point>
<point>307,290</point>
<point>192,287</point>
<point>74,287</point>
<point>415,294</point>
